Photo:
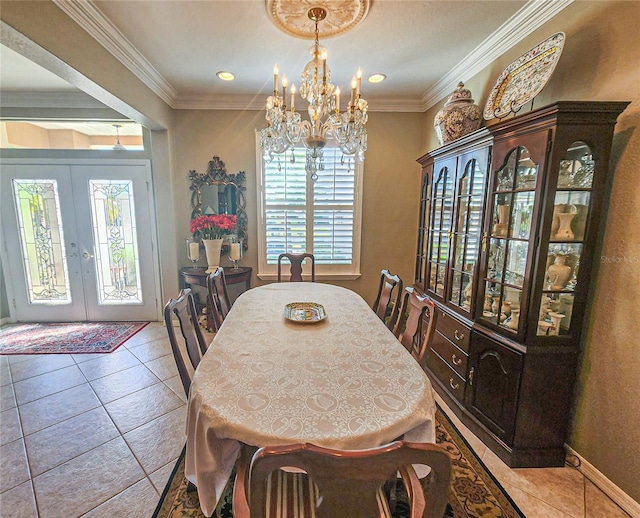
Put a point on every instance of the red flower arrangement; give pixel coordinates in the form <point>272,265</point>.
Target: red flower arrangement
<point>215,226</point>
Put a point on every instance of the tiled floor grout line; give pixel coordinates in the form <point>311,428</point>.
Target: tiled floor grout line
<point>542,499</point>
<point>144,471</point>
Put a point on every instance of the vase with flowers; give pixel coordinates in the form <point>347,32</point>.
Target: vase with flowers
<point>212,229</point>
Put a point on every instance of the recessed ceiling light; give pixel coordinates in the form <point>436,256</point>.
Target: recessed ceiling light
<point>377,78</point>
<point>226,76</point>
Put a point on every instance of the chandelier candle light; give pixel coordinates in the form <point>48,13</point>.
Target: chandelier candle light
<point>285,127</point>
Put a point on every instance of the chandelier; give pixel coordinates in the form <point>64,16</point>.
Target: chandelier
<point>285,127</point>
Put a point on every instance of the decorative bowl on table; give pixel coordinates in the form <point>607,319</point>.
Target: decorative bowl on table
<point>304,312</point>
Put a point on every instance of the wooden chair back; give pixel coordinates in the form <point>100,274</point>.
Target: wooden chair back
<point>296,261</point>
<point>410,325</point>
<point>218,301</point>
<point>192,342</point>
<point>344,483</point>
<point>382,306</point>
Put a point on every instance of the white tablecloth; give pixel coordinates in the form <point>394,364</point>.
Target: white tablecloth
<point>345,382</point>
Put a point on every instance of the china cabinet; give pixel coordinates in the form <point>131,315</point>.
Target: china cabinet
<point>509,217</point>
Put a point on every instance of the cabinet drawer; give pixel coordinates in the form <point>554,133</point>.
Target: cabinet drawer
<point>455,357</point>
<point>454,384</point>
<point>455,331</point>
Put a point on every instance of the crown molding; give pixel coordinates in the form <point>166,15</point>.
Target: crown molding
<point>395,104</point>
<point>532,16</point>
<point>99,27</point>
<point>220,102</point>
<point>256,102</point>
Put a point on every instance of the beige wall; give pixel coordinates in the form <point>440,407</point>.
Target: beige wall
<point>390,188</point>
<point>600,62</point>
<point>21,134</point>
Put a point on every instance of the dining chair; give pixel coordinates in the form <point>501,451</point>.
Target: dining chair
<point>345,483</point>
<point>218,297</point>
<point>410,324</point>
<point>296,261</point>
<point>193,342</point>
<point>386,306</point>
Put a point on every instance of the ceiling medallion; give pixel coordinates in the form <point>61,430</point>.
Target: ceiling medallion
<point>290,16</point>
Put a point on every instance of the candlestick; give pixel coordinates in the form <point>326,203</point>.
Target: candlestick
<point>338,100</point>
<point>358,81</point>
<point>193,251</point>
<point>353,91</point>
<point>235,251</point>
<point>324,66</point>
<point>293,97</point>
<point>275,80</point>
<point>285,82</point>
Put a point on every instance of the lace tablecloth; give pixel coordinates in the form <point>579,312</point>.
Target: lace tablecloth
<point>345,382</point>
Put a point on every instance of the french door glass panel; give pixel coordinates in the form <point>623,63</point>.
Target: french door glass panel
<point>115,242</point>
<point>42,239</point>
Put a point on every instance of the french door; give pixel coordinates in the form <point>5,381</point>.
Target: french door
<point>79,241</point>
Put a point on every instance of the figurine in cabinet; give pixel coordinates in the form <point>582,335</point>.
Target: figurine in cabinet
<point>558,274</point>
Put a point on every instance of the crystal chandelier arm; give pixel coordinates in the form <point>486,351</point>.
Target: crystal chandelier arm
<point>286,128</point>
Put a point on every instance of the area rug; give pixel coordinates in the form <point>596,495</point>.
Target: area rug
<point>473,492</point>
<point>66,338</point>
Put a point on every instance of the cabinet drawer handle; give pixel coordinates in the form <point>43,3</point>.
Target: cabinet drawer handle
<point>454,386</point>
<point>459,336</point>
<point>456,360</point>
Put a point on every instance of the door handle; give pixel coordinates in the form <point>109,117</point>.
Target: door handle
<point>87,255</point>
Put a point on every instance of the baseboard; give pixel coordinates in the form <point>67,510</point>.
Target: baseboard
<point>6,320</point>
<point>616,494</point>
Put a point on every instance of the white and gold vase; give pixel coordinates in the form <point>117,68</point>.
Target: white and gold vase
<point>212,248</point>
<point>565,231</point>
<point>458,117</point>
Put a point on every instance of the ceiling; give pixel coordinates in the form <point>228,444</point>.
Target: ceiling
<point>176,47</point>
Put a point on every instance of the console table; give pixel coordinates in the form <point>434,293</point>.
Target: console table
<point>198,277</point>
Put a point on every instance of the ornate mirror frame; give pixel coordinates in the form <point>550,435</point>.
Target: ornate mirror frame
<point>217,175</point>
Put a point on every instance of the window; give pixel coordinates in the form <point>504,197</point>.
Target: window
<point>71,134</point>
<point>299,215</point>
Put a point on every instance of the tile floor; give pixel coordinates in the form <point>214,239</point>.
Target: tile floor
<point>98,435</point>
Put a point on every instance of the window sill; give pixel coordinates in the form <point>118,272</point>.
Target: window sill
<point>319,277</point>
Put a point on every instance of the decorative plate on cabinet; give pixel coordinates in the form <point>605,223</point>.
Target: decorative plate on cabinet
<point>304,312</point>
<point>524,78</point>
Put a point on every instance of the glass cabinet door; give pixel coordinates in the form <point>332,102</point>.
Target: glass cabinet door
<point>507,239</point>
<point>423,230</point>
<point>440,224</point>
<point>466,238</point>
<point>572,203</point>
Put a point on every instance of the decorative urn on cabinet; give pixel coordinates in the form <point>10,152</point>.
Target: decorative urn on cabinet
<point>458,117</point>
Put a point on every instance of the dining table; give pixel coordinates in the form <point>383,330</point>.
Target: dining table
<point>337,379</point>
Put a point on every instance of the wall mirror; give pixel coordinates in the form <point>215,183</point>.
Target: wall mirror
<point>217,192</point>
